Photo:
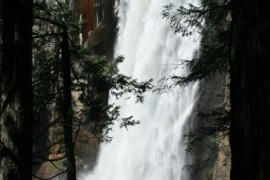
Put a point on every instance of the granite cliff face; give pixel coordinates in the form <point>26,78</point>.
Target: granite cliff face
<point>86,10</point>
<point>222,165</point>
<point>99,29</point>
<point>100,40</point>
<point>210,162</point>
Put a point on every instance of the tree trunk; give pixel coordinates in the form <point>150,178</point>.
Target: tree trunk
<point>17,94</point>
<point>250,90</point>
<point>67,109</point>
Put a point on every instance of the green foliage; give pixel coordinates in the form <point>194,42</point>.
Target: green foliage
<point>216,124</point>
<point>210,19</point>
<point>188,19</point>
<point>203,164</point>
<point>93,77</point>
<point>213,58</point>
<point>95,80</point>
<point>129,121</point>
<point>183,19</point>
<point>208,140</point>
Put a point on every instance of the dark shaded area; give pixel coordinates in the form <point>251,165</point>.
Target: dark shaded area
<point>17,94</point>
<point>250,87</point>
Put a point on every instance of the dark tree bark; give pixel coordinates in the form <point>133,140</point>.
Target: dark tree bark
<point>17,94</point>
<point>250,90</point>
<point>67,108</point>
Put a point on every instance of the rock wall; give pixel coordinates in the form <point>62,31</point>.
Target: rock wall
<point>85,10</point>
<point>100,40</point>
<point>213,168</point>
<point>222,166</point>
<point>99,30</point>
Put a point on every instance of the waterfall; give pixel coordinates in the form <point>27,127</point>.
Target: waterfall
<point>154,149</point>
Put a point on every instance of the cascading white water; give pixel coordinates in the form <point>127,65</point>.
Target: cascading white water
<point>154,149</point>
